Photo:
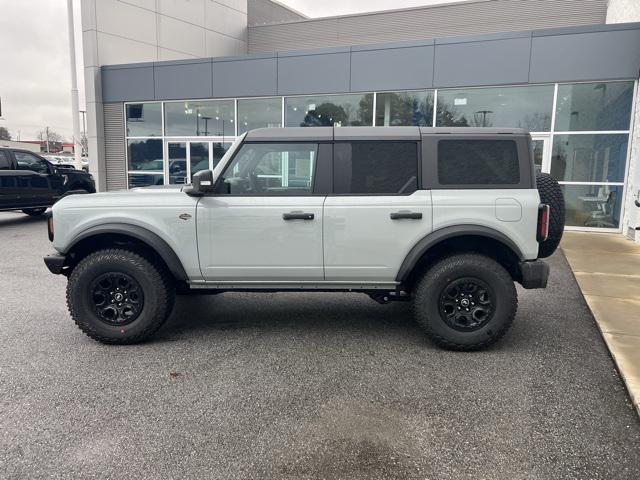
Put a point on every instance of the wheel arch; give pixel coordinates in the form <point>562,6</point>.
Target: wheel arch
<point>460,238</point>
<point>114,234</point>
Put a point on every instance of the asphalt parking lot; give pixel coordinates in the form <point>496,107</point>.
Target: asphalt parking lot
<point>302,386</point>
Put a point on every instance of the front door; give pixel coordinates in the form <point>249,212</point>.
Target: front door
<point>376,214</point>
<point>265,222</point>
<point>34,178</point>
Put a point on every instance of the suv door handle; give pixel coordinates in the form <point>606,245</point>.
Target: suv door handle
<point>405,214</point>
<point>298,216</point>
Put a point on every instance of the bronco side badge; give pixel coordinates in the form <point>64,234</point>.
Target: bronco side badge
<point>184,216</point>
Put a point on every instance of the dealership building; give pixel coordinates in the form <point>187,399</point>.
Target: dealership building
<point>171,83</point>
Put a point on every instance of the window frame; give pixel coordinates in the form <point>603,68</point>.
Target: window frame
<point>319,187</point>
<point>430,160</point>
<point>418,169</point>
<point>38,157</point>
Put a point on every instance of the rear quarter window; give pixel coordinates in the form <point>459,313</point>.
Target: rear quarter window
<point>478,162</point>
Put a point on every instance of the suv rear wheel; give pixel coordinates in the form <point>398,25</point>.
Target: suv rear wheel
<point>465,302</point>
<point>117,296</point>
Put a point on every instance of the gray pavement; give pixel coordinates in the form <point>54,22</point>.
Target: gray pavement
<point>301,386</point>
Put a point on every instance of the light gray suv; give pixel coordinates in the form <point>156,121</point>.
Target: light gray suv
<point>448,218</point>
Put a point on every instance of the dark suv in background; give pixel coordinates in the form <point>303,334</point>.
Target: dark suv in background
<point>30,183</point>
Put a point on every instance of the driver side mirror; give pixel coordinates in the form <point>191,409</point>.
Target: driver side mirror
<point>201,184</point>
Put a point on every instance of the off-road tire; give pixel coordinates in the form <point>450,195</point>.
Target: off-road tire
<point>34,212</point>
<point>156,285</point>
<point>551,194</point>
<point>427,293</point>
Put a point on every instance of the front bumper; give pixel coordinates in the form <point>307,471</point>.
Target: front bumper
<point>55,262</point>
<point>534,274</point>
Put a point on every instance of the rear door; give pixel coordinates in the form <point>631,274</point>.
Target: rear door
<point>377,212</point>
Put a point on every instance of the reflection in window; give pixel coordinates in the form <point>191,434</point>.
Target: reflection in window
<point>145,179</point>
<point>404,109</point>
<point>199,156</point>
<point>144,119</point>
<point>517,107</point>
<point>593,205</point>
<point>271,169</point>
<point>219,149</point>
<point>589,158</point>
<point>328,110</point>
<point>478,162</point>
<point>594,106</point>
<point>145,155</point>
<point>200,118</point>
<point>177,162</point>
<point>259,113</point>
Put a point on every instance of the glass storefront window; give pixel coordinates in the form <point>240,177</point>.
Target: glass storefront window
<point>394,109</point>
<point>589,158</point>
<point>145,155</point>
<point>219,149</point>
<point>596,206</point>
<point>594,106</point>
<point>199,118</point>
<point>144,119</point>
<point>259,113</point>
<point>199,156</point>
<point>145,179</point>
<point>328,110</point>
<point>520,107</point>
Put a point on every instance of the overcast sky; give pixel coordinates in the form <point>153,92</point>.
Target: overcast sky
<point>34,58</point>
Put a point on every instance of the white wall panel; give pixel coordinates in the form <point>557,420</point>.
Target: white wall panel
<point>125,20</point>
<point>181,36</point>
<point>223,19</point>
<point>116,50</point>
<point>221,45</point>
<point>191,11</point>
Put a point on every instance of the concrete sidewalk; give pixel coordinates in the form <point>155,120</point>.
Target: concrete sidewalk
<point>607,268</point>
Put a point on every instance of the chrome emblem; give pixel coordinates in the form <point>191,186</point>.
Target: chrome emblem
<point>184,216</point>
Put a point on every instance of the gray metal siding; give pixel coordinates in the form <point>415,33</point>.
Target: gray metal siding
<point>114,146</point>
<point>468,18</point>
<point>261,12</point>
<point>596,52</point>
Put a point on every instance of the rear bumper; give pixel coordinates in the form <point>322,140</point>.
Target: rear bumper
<point>55,262</point>
<point>534,274</point>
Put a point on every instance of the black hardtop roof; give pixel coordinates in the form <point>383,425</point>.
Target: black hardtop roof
<point>369,133</point>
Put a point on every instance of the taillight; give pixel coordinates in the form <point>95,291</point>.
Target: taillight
<point>543,223</point>
<point>49,214</point>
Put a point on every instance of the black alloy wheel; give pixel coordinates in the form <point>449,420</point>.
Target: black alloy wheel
<point>117,298</point>
<point>467,304</point>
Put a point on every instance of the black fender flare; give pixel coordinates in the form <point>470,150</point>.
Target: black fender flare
<point>437,236</point>
<point>161,247</point>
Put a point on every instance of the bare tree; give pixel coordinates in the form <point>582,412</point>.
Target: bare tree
<point>5,134</point>
<point>50,135</point>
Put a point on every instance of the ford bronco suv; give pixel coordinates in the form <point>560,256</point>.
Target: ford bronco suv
<point>447,218</point>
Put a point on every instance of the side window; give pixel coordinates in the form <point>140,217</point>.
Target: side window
<point>26,161</point>
<point>271,169</point>
<point>5,164</point>
<point>478,162</point>
<point>381,167</point>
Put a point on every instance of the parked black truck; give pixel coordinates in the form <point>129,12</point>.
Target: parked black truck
<point>30,183</point>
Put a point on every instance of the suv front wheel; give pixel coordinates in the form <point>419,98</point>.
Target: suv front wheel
<point>465,302</point>
<point>117,296</point>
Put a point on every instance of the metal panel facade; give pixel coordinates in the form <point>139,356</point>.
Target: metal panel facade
<point>315,73</point>
<point>586,56</point>
<point>482,63</point>
<point>131,83</point>
<point>396,68</point>
<point>115,158</point>
<point>597,52</point>
<point>183,79</point>
<point>245,77</point>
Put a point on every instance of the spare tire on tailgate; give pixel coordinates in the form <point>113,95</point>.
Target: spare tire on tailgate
<point>551,194</point>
